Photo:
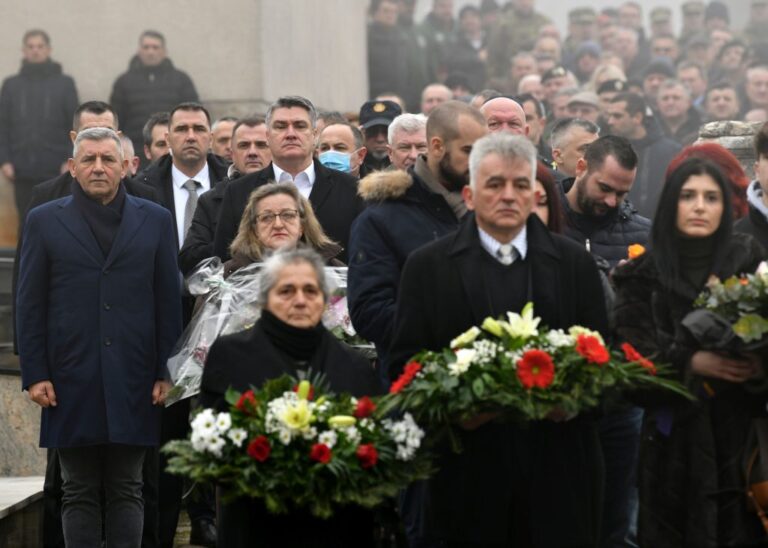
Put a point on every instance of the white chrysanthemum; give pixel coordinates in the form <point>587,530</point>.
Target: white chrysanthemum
<point>204,424</point>
<point>558,338</point>
<point>366,423</point>
<point>328,438</point>
<point>352,433</point>
<point>284,436</point>
<point>223,422</point>
<point>464,359</point>
<point>215,444</point>
<point>198,442</point>
<point>237,436</point>
<point>309,433</point>
<point>406,434</point>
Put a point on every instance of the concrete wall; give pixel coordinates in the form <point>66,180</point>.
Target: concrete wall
<point>239,53</point>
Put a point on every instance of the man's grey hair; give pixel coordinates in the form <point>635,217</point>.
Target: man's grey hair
<point>407,123</point>
<point>562,129</point>
<point>223,119</point>
<point>97,134</point>
<point>670,83</point>
<point>127,145</point>
<point>508,147</point>
<point>276,262</point>
<point>289,101</point>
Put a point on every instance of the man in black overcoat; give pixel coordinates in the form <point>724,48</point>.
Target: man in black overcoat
<point>534,485</point>
<point>291,131</point>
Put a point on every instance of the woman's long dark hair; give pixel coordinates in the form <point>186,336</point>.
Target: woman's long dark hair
<point>544,176</point>
<point>665,237</point>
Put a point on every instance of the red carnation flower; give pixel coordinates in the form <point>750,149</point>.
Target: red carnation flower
<point>320,453</point>
<point>590,348</point>
<point>632,355</point>
<point>259,448</point>
<point>247,402</point>
<point>365,407</point>
<point>367,455</point>
<point>310,394</point>
<point>409,372</point>
<point>536,368</point>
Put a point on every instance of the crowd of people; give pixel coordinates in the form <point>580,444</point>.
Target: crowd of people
<point>495,164</point>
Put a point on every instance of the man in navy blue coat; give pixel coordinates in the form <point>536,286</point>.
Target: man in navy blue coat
<point>98,313</point>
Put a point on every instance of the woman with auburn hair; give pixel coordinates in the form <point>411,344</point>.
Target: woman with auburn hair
<point>727,163</point>
<point>277,217</point>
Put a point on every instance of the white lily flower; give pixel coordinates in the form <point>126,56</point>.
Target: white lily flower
<point>465,338</point>
<point>523,325</point>
<point>577,330</point>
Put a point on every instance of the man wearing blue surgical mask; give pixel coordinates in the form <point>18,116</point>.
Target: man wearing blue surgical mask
<point>341,147</point>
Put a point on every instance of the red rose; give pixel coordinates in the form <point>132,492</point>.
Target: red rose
<point>320,453</point>
<point>367,455</point>
<point>259,448</point>
<point>536,368</point>
<point>310,395</point>
<point>247,402</point>
<point>590,348</point>
<point>409,372</point>
<point>632,355</point>
<point>365,407</point>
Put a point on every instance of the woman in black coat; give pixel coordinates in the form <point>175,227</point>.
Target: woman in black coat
<point>690,476</point>
<point>288,338</point>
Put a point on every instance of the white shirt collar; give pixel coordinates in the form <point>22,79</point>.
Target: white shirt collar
<point>203,177</point>
<point>491,245</point>
<point>303,180</point>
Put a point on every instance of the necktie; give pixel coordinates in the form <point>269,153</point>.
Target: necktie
<point>506,254</point>
<point>189,210</point>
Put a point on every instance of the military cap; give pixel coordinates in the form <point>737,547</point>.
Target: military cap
<point>585,98</point>
<point>582,15</point>
<point>378,113</point>
<point>612,86</point>
<point>693,8</point>
<point>661,15</point>
<point>554,72</point>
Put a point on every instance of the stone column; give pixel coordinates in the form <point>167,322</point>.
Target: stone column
<point>735,136</point>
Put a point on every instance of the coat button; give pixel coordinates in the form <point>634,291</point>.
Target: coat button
<point>107,306</point>
<point>107,342</point>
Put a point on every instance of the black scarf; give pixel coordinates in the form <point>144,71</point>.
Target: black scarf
<point>297,343</point>
<point>696,258</point>
<point>104,220</point>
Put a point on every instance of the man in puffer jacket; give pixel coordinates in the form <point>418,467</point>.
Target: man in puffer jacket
<point>598,215</point>
<point>406,210</point>
<point>756,221</point>
<point>36,109</point>
<point>151,84</point>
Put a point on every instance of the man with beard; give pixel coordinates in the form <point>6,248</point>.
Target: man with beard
<point>598,216</point>
<point>406,211</point>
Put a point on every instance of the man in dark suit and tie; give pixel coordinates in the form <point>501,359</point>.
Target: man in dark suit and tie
<point>190,170</point>
<point>291,132</point>
<point>538,485</point>
<point>99,312</point>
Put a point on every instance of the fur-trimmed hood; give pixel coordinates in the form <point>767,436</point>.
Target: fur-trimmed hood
<point>384,185</point>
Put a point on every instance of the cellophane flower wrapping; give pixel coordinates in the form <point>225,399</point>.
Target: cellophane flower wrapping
<point>228,306</point>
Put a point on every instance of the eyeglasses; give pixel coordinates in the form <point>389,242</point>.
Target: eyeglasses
<point>288,216</point>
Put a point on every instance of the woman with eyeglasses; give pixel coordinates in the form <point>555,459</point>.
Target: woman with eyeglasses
<point>278,217</point>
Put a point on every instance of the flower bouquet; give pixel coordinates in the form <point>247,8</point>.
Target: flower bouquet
<point>295,445</point>
<point>732,314</point>
<point>521,371</point>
